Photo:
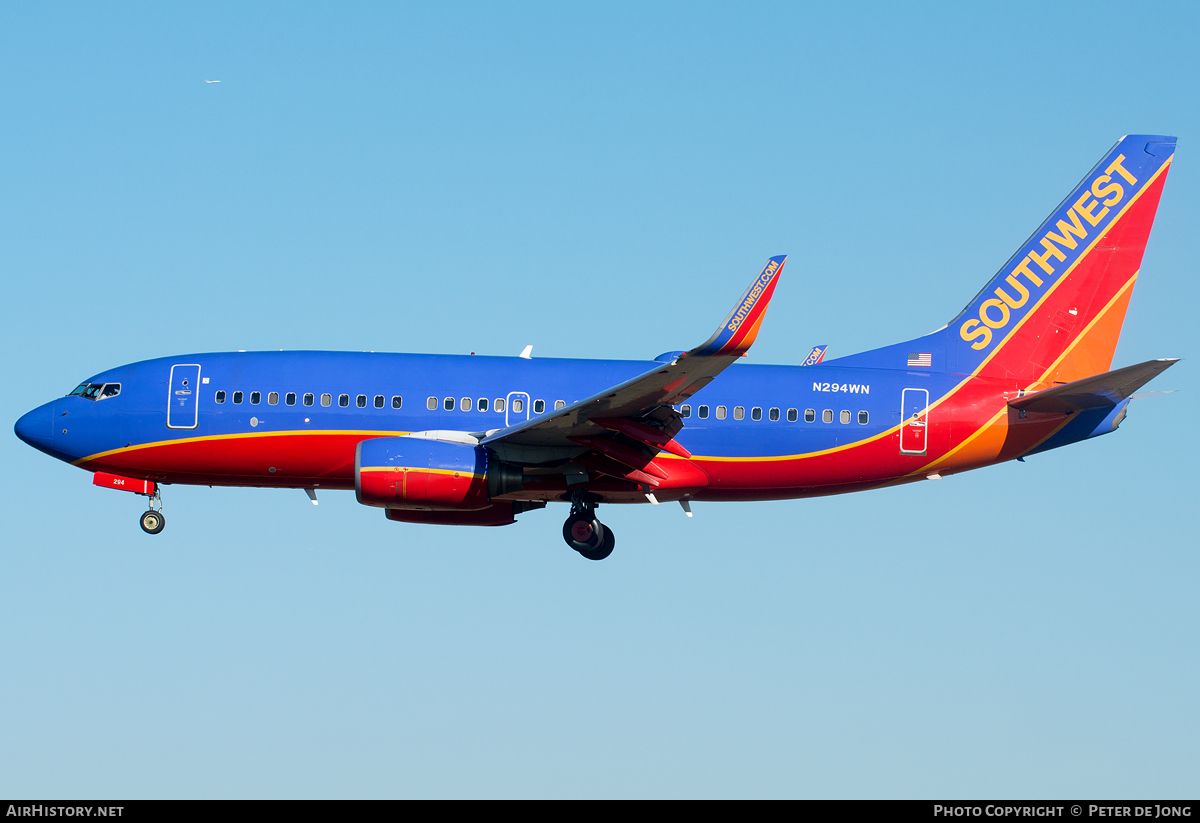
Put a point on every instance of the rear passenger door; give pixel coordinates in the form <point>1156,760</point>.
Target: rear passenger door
<point>914,421</point>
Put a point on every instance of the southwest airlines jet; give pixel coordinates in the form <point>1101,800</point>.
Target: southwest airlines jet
<point>453,440</point>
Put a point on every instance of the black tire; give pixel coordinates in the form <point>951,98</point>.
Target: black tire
<point>153,522</point>
<point>605,549</point>
<point>583,532</point>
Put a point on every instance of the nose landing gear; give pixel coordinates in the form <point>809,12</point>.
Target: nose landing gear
<point>152,520</point>
<point>585,534</point>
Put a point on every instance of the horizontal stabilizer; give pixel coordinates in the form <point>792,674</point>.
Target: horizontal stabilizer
<point>1106,389</point>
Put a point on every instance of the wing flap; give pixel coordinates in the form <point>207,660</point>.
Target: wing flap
<point>657,438</point>
<point>606,465</point>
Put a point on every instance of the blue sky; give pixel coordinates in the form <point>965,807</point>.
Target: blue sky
<point>596,180</point>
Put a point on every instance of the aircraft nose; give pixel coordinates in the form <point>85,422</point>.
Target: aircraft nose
<point>35,427</point>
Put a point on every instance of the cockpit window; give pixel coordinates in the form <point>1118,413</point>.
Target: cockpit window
<point>96,391</point>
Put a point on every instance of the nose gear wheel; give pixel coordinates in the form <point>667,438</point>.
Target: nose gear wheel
<point>152,520</point>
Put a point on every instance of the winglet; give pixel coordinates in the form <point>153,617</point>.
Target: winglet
<point>738,332</point>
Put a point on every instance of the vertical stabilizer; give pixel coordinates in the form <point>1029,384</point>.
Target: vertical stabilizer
<point>1054,312</point>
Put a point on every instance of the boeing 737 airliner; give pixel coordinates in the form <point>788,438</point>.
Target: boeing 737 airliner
<point>478,440</point>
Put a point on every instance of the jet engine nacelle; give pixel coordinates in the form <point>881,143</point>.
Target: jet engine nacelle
<point>430,475</point>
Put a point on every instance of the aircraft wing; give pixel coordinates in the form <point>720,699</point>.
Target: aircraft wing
<point>1098,391</point>
<point>640,408</point>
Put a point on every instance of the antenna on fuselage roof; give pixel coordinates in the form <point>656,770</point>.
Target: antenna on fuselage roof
<point>527,352</point>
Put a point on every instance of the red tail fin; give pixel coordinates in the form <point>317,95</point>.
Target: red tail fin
<point>1053,314</point>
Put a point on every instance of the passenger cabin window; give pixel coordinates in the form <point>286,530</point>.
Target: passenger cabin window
<point>560,404</point>
<point>518,404</point>
<point>702,412</point>
<point>290,398</point>
<point>431,404</point>
<point>465,403</point>
<point>793,415</point>
<point>827,416</point>
<point>499,405</point>
<point>721,412</point>
<point>361,401</point>
<point>449,404</point>
<point>327,400</point>
<point>756,413</point>
<point>539,406</point>
<point>309,398</point>
<point>397,401</point>
<point>863,418</point>
<point>379,401</point>
<point>810,415</point>
<point>273,399</point>
<point>220,398</point>
<point>237,398</point>
<point>739,412</point>
<point>482,405</point>
<point>343,400</point>
<point>255,398</point>
<point>685,410</point>
<point>844,417</point>
<point>773,414</point>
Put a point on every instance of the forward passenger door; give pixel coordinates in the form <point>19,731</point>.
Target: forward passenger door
<point>183,400</point>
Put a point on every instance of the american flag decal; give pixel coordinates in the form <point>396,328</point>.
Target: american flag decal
<point>921,359</point>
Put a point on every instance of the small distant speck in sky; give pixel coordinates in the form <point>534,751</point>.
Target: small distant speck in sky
<point>212,81</point>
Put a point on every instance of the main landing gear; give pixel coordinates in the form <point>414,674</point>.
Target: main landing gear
<point>585,534</point>
<point>152,520</point>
